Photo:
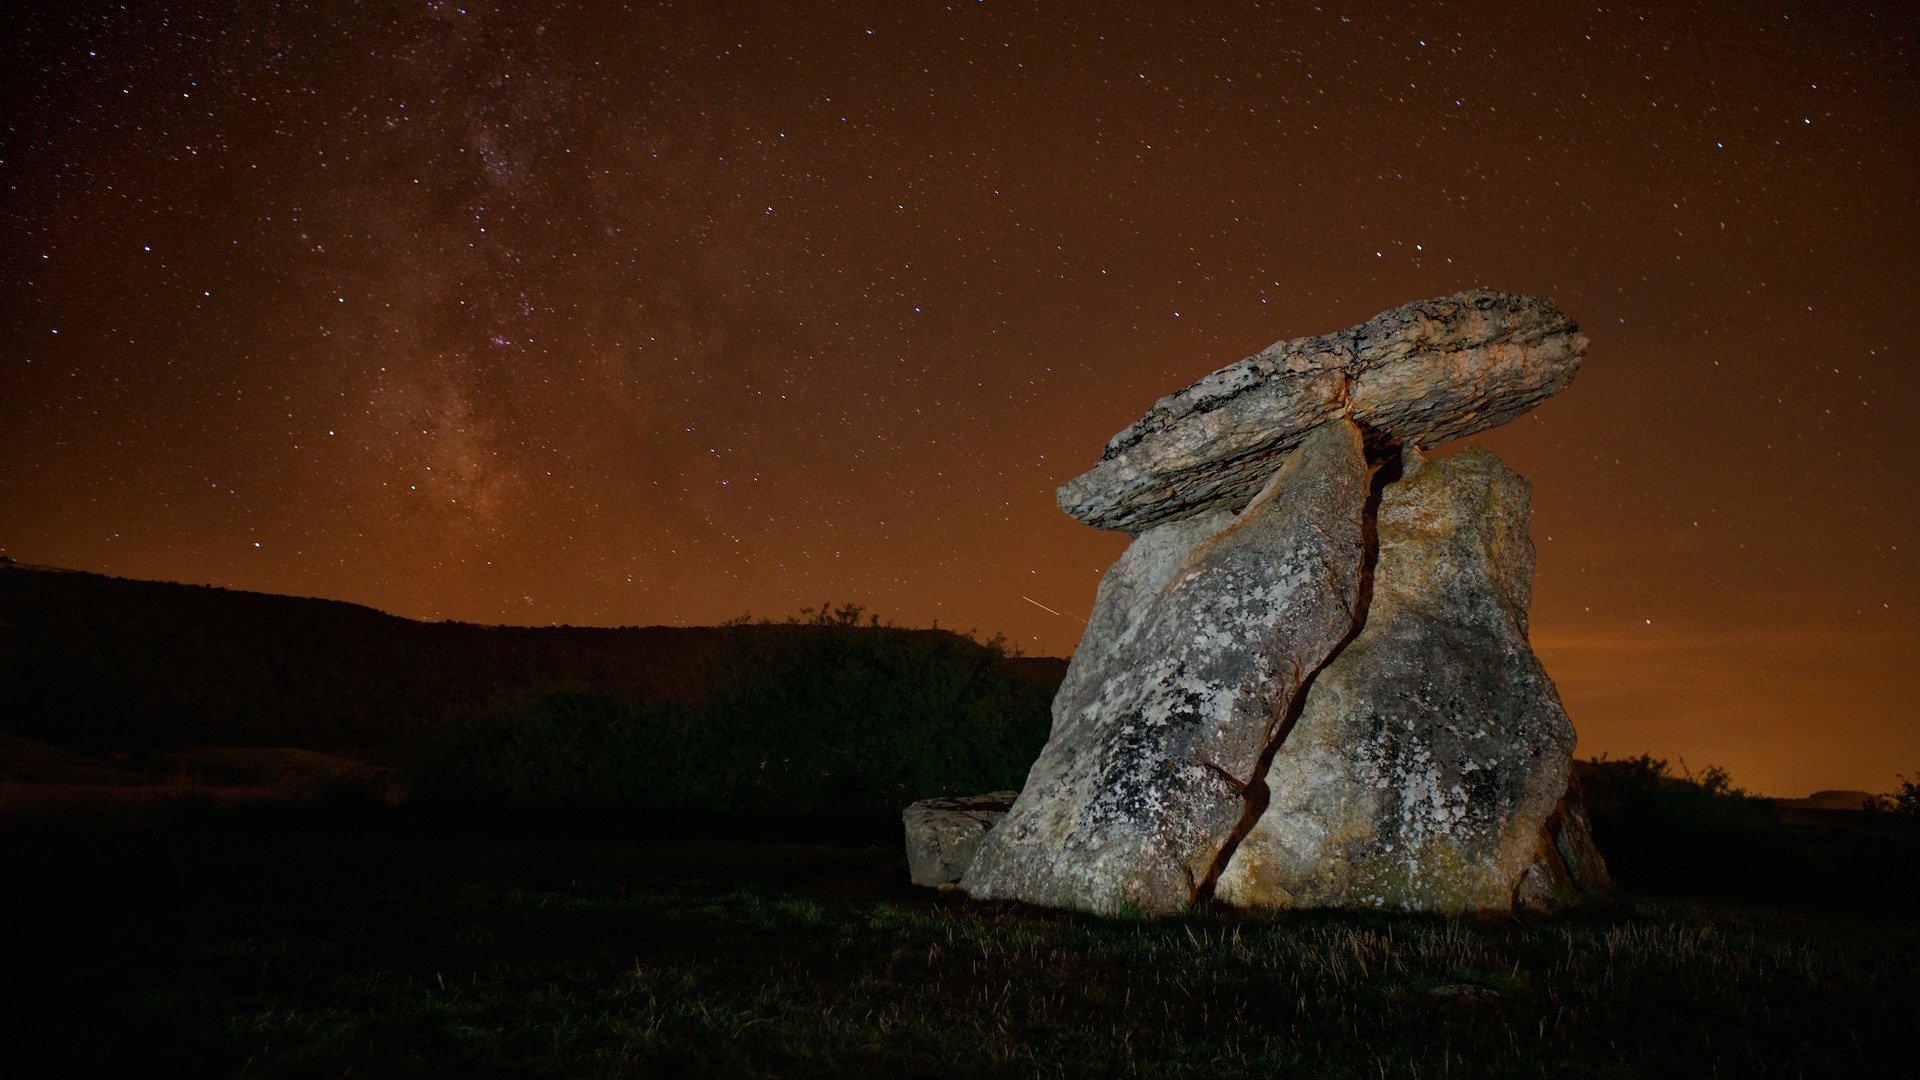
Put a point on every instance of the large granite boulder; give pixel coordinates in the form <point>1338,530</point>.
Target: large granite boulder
<point>1422,374</point>
<point>1201,637</point>
<point>1432,751</point>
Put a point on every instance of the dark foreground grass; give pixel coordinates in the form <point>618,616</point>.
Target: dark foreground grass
<point>221,947</point>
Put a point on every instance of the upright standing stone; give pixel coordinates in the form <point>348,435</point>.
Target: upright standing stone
<point>1431,752</point>
<point>1201,637</point>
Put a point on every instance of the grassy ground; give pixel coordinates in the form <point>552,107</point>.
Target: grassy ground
<point>268,944</point>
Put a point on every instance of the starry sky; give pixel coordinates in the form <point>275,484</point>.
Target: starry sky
<point>607,314</point>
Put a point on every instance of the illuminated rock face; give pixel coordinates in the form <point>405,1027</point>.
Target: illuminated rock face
<point>944,834</point>
<point>1200,639</point>
<point>1431,753</point>
<point>1308,682</point>
<point>1423,373</point>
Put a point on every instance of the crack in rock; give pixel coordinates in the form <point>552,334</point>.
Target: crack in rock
<point>1307,682</point>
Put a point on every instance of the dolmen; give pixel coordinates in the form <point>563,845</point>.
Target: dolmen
<point>1307,681</point>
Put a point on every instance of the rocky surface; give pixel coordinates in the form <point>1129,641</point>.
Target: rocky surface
<point>1201,637</point>
<point>1431,754</point>
<point>1291,694</point>
<point>1422,374</point>
<point>1567,868</point>
<point>944,834</point>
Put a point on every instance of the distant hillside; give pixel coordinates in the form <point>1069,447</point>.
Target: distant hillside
<point>1830,800</point>
<point>97,663</point>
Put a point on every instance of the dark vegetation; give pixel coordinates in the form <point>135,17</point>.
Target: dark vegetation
<point>1699,835</point>
<point>585,879</point>
<point>824,716</point>
<point>100,664</point>
<point>817,717</point>
<point>1905,800</point>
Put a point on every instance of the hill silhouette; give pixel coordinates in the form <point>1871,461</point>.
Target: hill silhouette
<point>101,664</point>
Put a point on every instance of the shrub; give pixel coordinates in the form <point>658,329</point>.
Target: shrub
<point>1905,799</point>
<point>821,715</point>
<point>568,747</point>
<point>1644,790</point>
<point>1681,834</point>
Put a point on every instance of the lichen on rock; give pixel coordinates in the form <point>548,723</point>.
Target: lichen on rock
<point>1200,638</point>
<point>1431,751</point>
<point>1422,373</point>
<point>1292,692</point>
<point>943,835</point>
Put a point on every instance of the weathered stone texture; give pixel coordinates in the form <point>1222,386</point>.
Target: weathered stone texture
<point>1567,868</point>
<point>1199,641</point>
<point>1430,753</point>
<point>1422,373</point>
<point>944,834</point>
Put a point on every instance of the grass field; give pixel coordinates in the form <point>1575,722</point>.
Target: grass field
<point>276,942</point>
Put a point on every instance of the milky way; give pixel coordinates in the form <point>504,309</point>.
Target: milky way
<point>606,316</point>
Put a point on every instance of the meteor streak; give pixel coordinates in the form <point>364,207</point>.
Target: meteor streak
<point>1044,607</point>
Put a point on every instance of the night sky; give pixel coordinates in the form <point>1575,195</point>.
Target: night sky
<point>669,313</point>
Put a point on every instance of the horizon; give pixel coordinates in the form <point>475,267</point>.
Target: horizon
<point>537,315</point>
<point>1678,767</point>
